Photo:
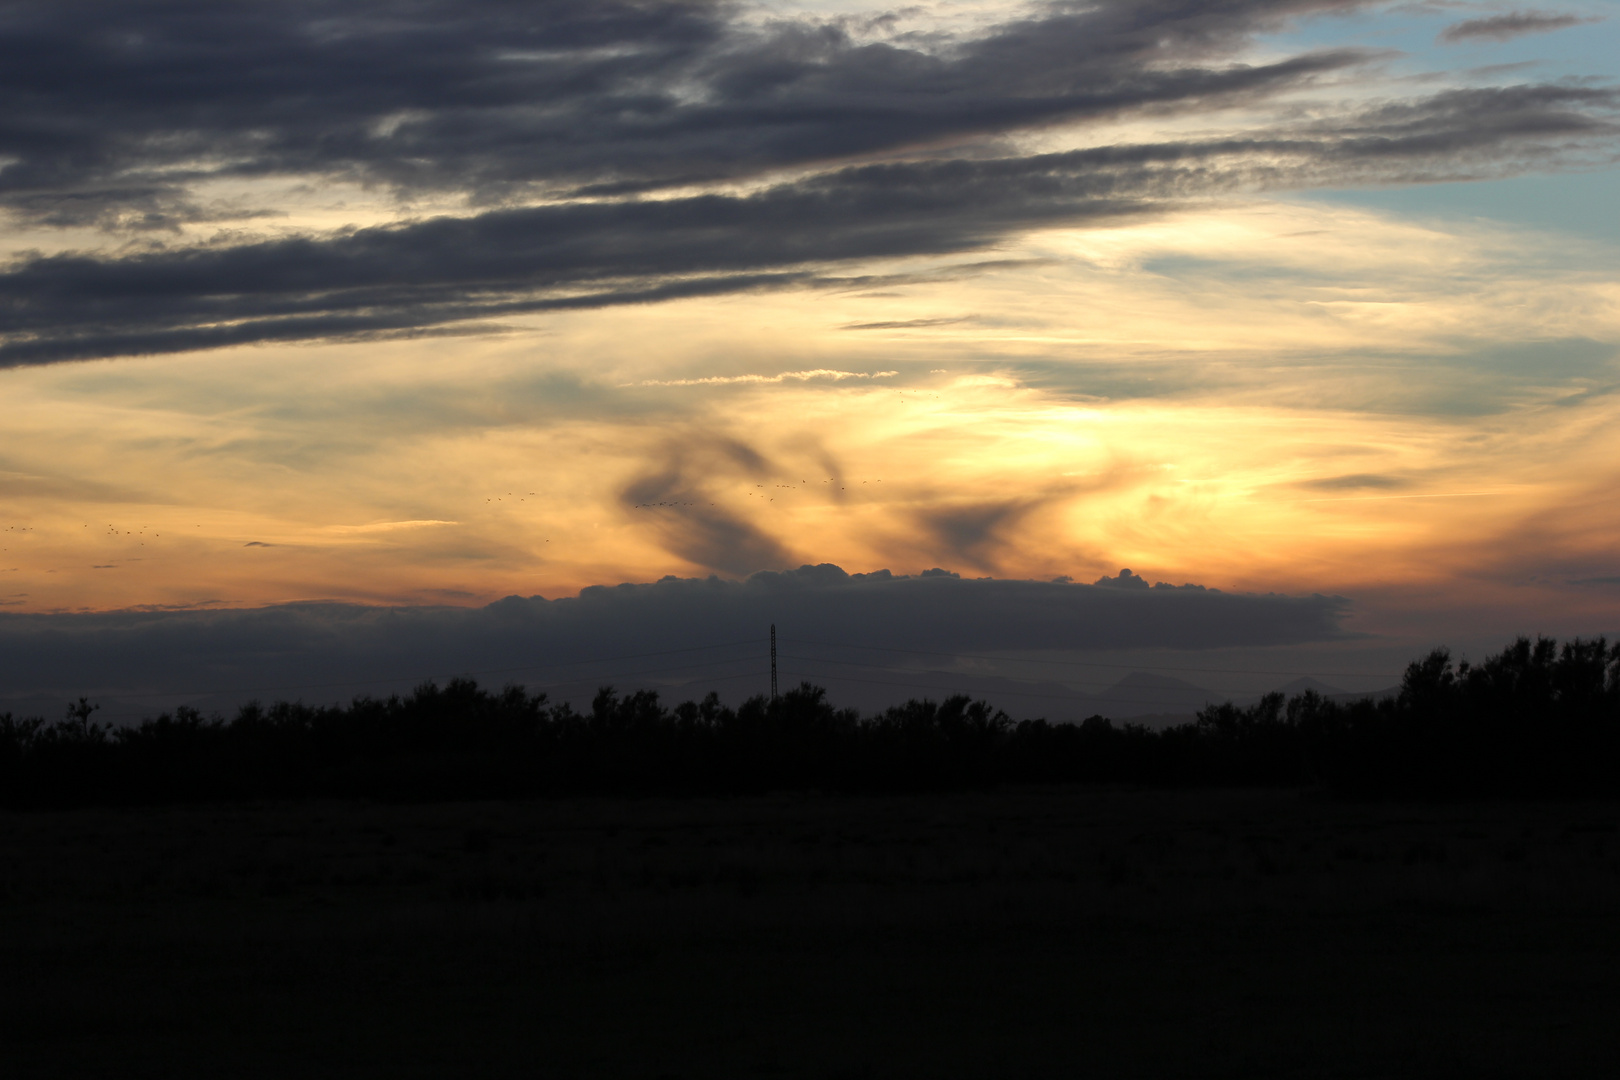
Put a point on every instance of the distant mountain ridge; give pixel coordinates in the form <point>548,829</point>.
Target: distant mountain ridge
<point>1142,697</point>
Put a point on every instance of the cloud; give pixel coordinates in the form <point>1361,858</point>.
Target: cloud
<point>580,255</point>
<point>20,485</point>
<point>612,96</point>
<point>780,155</point>
<point>976,531</point>
<point>1426,495</point>
<point>1125,579</point>
<point>389,526</point>
<point>905,324</point>
<point>331,650</point>
<point>677,503</point>
<point>784,376</point>
<point>1354,482</point>
<point>1506,27</point>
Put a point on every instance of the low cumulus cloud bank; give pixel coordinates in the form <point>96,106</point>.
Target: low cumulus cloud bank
<point>334,650</point>
<point>781,153</point>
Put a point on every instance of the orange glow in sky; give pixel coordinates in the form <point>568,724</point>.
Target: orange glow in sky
<point>1239,386</point>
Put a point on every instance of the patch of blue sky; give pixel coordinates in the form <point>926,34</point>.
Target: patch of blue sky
<point>1586,204</point>
<point>1581,202</point>
<point>1587,49</point>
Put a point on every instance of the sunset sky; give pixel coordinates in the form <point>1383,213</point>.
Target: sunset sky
<point>437,303</point>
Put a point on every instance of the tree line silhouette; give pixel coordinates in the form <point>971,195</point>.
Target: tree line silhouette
<point>1538,719</point>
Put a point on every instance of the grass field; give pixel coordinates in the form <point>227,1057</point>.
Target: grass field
<point>1028,932</point>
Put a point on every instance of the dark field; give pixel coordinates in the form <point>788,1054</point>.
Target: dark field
<point>1018,933</point>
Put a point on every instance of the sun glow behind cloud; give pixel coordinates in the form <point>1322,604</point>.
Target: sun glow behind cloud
<point>1265,396</point>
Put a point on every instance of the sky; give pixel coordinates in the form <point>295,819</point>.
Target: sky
<point>316,314</point>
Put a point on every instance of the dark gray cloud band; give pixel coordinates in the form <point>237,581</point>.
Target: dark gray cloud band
<point>587,108</point>
<point>111,112</point>
<point>647,626</point>
<point>585,254</point>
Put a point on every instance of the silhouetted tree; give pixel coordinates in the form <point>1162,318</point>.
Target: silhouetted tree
<point>1537,719</point>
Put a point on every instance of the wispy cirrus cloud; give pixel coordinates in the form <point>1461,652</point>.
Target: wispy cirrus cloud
<point>831,374</point>
<point>387,526</point>
<point>907,324</point>
<point>1509,26</point>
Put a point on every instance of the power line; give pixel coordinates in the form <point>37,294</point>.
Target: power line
<point>960,674</point>
<point>999,693</point>
<point>1070,683</point>
<point>687,667</point>
<point>695,667</point>
<point>449,675</point>
<point>1087,663</point>
<point>1168,705</point>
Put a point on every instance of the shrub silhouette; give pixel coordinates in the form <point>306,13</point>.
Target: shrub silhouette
<point>1538,719</point>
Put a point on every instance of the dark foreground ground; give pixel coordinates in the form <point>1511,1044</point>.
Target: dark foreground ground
<point>1023,933</point>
